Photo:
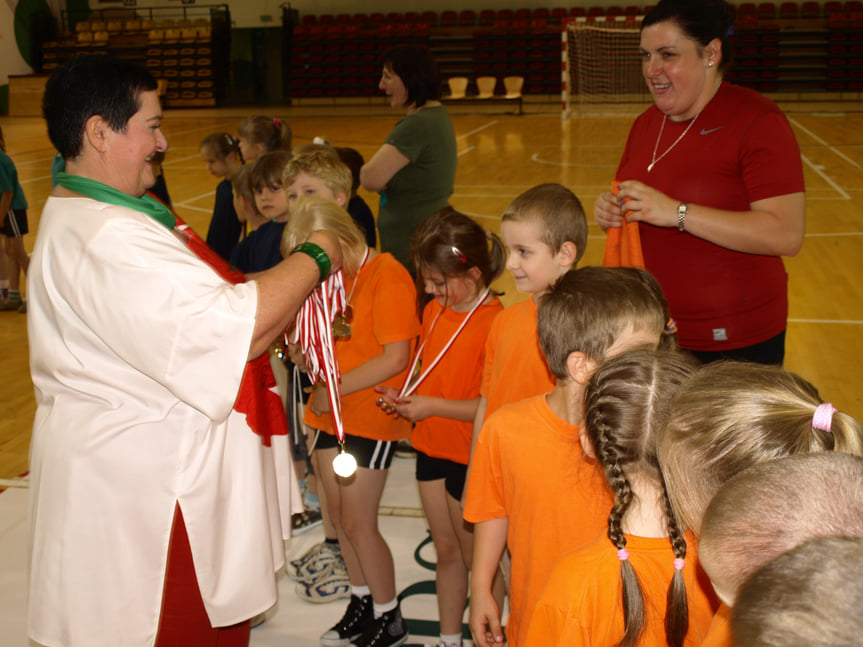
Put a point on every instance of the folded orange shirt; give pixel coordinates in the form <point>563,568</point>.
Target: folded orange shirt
<point>623,244</point>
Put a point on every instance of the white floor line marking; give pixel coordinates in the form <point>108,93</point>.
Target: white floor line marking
<point>476,130</point>
<point>171,161</point>
<point>466,150</point>
<point>192,207</point>
<point>826,178</point>
<point>536,158</point>
<point>825,144</point>
<point>852,322</point>
<point>209,194</point>
<point>839,234</point>
<point>19,483</point>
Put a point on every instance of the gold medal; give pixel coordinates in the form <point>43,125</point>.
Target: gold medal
<point>341,328</point>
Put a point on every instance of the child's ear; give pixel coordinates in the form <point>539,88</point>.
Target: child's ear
<point>586,446</point>
<point>474,273</point>
<point>580,367</point>
<point>342,198</point>
<point>567,254</point>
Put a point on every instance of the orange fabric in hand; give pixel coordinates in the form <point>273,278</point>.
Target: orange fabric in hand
<point>623,244</point>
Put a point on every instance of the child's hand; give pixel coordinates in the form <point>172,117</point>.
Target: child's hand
<point>484,621</point>
<point>414,408</point>
<point>320,401</point>
<point>295,354</point>
<point>387,400</point>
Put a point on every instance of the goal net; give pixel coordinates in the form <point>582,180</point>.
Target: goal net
<point>601,64</point>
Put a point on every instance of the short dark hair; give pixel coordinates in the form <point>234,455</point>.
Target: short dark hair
<point>417,70</point>
<point>87,86</point>
<point>700,20</point>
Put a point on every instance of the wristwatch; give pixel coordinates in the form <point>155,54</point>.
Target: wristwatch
<point>681,216</point>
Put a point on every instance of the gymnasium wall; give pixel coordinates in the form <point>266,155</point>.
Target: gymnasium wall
<point>267,13</point>
<point>18,21</point>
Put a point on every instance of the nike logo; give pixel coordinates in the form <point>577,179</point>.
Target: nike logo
<point>705,131</point>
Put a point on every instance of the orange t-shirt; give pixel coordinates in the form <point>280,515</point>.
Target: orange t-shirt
<point>384,305</point>
<point>582,603</point>
<point>719,634</point>
<point>514,367</point>
<point>456,376</point>
<point>528,466</point>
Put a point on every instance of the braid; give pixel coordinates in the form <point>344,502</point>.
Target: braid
<point>608,455</point>
<point>677,605</point>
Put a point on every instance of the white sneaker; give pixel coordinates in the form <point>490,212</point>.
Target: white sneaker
<point>314,562</point>
<point>333,584</point>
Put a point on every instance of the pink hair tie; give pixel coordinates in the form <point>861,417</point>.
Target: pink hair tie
<point>679,563</point>
<point>823,417</point>
<point>622,555</point>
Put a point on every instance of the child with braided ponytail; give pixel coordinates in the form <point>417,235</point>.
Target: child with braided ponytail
<point>643,587</point>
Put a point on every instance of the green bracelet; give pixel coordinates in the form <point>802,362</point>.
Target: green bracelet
<point>318,255</point>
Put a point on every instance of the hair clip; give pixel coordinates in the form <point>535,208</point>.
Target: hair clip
<point>277,122</point>
<point>459,254</point>
<point>823,417</point>
<point>679,563</point>
<point>622,555</point>
<point>671,326</point>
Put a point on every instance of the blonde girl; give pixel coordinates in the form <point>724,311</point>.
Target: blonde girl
<point>221,153</point>
<point>731,416</point>
<point>373,347</point>
<point>456,260</point>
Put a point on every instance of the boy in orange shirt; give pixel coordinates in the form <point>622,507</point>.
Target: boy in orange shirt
<point>531,487</point>
<point>545,231</point>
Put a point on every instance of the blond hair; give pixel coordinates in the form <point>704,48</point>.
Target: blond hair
<point>732,415</point>
<point>322,162</point>
<point>774,506</point>
<point>558,212</point>
<point>587,309</point>
<point>808,597</point>
<point>313,213</point>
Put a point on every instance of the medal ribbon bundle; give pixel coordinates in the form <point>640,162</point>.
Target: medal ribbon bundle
<point>313,331</point>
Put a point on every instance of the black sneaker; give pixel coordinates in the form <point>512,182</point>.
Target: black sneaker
<point>387,631</point>
<point>358,618</point>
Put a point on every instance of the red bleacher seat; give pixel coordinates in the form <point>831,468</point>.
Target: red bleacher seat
<point>767,11</point>
<point>310,19</point>
<point>360,19</point>
<point>832,7</point>
<point>577,12</point>
<point>789,10</point>
<point>747,8</point>
<point>467,17</point>
<point>614,10</point>
<point>558,14</point>
<point>344,19</point>
<point>854,6</point>
<point>596,11</point>
<point>632,10</point>
<point>448,18</point>
<point>395,16</point>
<point>810,9</point>
<point>429,17</point>
<point>504,14</point>
<point>486,17</point>
<point>326,19</point>
<point>523,14</point>
<point>541,13</point>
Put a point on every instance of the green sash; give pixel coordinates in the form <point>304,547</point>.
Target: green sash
<point>104,193</point>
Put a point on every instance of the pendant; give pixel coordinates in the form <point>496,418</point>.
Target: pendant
<point>342,322</point>
<point>341,327</point>
<point>650,167</point>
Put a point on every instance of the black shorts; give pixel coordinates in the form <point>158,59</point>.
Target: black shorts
<point>15,223</point>
<point>371,454</point>
<point>430,468</point>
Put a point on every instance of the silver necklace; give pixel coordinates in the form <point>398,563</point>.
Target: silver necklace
<point>655,159</point>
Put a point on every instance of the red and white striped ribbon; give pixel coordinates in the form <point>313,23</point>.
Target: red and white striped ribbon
<point>314,332</point>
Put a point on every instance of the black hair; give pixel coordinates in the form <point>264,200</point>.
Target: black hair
<point>701,20</point>
<point>88,86</point>
<point>418,71</point>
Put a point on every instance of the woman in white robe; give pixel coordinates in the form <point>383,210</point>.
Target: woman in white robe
<point>138,353</point>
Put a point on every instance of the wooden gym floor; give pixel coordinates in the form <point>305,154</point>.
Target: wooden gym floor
<point>501,155</point>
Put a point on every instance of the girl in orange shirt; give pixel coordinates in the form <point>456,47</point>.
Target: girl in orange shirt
<point>644,586</point>
<point>373,346</point>
<point>456,261</point>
